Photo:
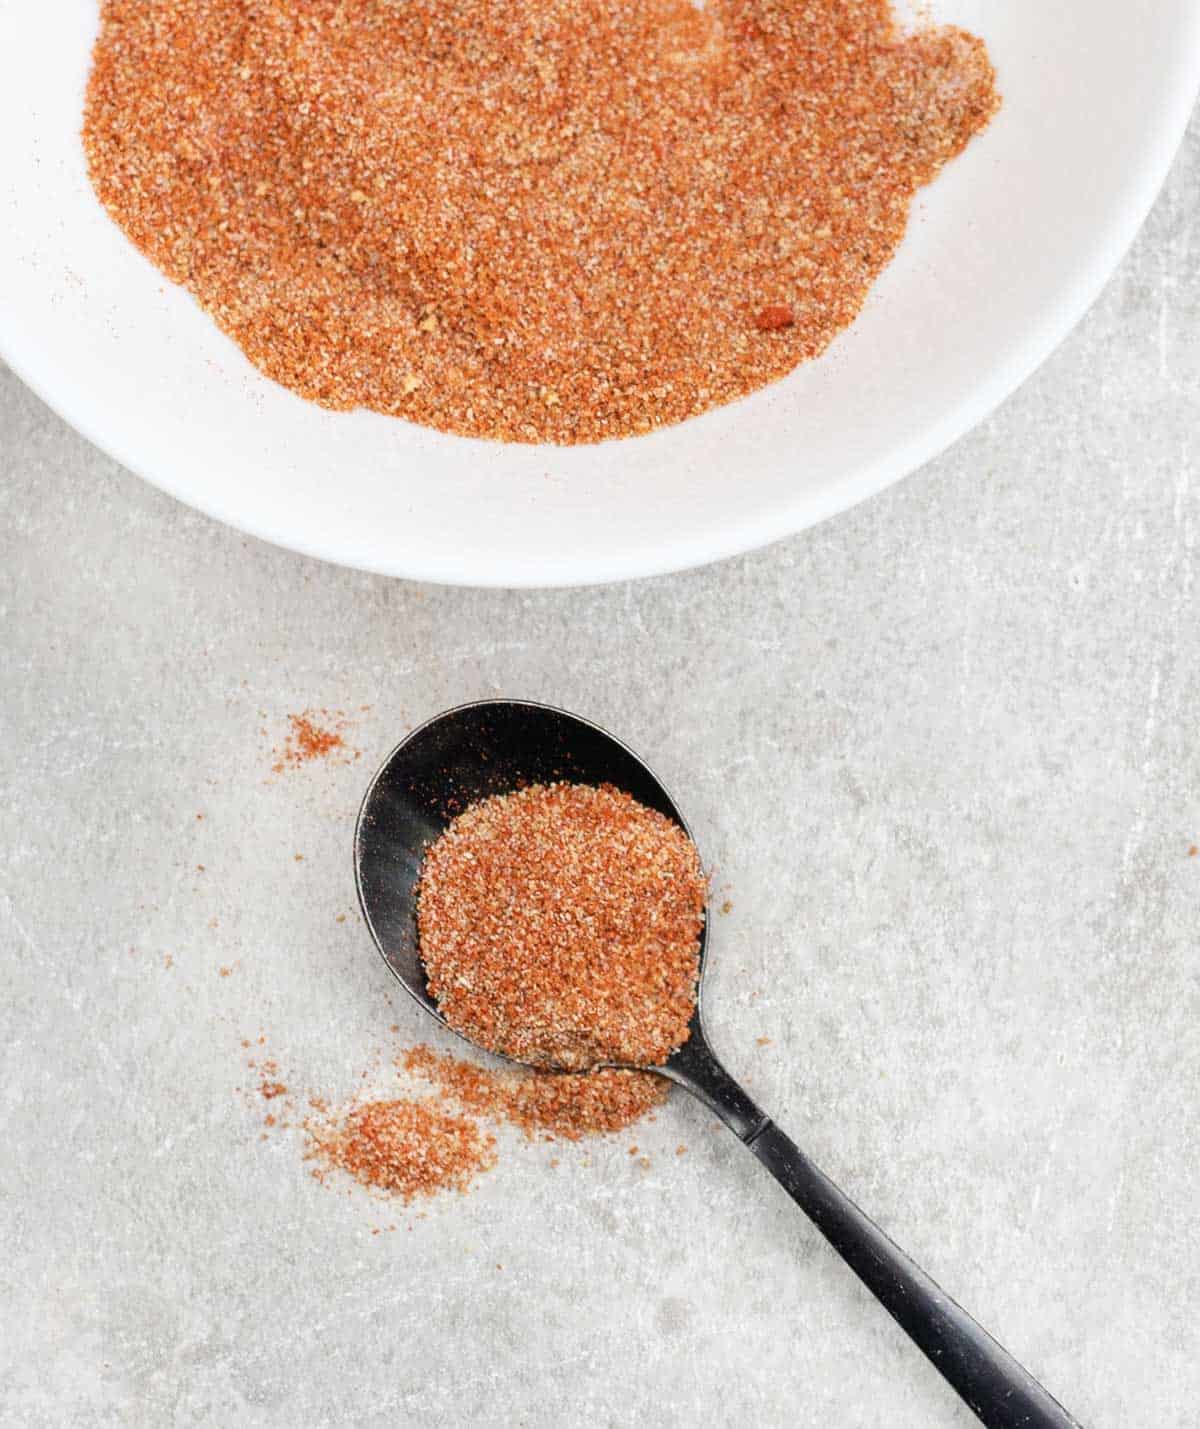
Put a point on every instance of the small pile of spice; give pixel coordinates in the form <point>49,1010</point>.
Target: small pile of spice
<point>407,1147</point>
<point>315,734</point>
<point>534,220</point>
<point>404,1148</point>
<point>560,925</point>
<point>567,1105</point>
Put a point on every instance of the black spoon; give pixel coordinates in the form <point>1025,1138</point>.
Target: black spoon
<point>495,746</point>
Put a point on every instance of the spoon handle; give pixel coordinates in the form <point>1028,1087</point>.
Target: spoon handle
<point>1001,1392</point>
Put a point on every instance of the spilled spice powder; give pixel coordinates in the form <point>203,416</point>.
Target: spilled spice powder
<point>534,220</point>
<point>270,1085</point>
<point>569,1105</point>
<point>561,925</point>
<point>315,734</point>
<point>403,1148</point>
<point>407,1147</point>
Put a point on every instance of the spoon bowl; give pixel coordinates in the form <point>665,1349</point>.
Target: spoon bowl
<point>452,761</point>
<point>495,746</point>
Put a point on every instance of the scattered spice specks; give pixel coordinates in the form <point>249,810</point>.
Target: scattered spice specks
<point>270,1090</point>
<point>313,735</point>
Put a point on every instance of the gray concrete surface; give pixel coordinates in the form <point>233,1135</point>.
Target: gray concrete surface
<point>943,755</point>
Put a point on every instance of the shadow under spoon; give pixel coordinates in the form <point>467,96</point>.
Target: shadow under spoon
<point>492,747</point>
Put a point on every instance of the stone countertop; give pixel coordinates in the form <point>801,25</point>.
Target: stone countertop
<point>942,756</point>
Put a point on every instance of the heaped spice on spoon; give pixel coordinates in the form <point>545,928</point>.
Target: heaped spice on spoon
<point>536,220</point>
<point>560,925</point>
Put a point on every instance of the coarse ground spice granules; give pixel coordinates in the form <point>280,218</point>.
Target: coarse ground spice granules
<point>411,1146</point>
<point>315,734</point>
<point>560,925</point>
<point>407,1148</point>
<point>536,220</point>
<point>307,741</point>
<point>568,1105</point>
<point>404,1148</point>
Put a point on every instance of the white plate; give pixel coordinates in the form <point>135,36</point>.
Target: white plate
<point>1006,251</point>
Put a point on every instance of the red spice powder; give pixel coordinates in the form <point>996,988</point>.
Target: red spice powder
<point>315,734</point>
<point>561,922</point>
<point>774,318</point>
<point>561,925</point>
<point>404,1148</point>
<point>535,220</point>
<point>309,742</point>
<point>408,1147</point>
<point>561,1104</point>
